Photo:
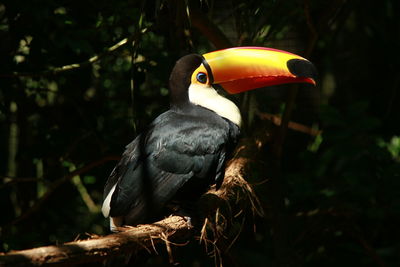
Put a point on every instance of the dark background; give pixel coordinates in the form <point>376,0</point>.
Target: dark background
<point>340,189</point>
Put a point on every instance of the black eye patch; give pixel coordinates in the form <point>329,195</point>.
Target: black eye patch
<point>201,77</point>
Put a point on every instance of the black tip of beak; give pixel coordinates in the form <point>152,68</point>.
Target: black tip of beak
<point>302,68</point>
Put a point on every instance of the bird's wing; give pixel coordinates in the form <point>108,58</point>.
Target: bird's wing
<point>160,161</point>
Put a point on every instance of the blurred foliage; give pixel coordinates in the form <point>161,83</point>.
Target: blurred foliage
<point>341,188</point>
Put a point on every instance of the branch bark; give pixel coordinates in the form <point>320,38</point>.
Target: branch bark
<point>100,248</point>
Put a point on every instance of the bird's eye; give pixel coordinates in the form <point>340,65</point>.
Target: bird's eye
<point>201,77</point>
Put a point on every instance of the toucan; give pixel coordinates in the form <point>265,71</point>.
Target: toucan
<point>183,152</point>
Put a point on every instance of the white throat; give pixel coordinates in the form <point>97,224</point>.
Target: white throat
<point>208,97</point>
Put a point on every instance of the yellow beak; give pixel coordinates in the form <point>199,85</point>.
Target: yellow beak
<point>241,69</point>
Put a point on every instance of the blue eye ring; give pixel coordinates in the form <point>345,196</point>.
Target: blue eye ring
<point>201,77</point>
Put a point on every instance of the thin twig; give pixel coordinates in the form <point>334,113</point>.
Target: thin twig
<point>74,66</point>
<point>52,188</point>
<point>14,180</point>
<point>311,27</point>
<point>277,120</point>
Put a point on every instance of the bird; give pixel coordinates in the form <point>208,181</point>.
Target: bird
<point>183,152</point>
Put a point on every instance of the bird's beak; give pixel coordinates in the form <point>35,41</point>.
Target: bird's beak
<point>241,69</point>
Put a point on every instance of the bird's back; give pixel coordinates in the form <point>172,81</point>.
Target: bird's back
<point>177,158</point>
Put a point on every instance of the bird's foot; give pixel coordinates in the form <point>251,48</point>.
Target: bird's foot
<point>188,219</point>
<point>186,216</point>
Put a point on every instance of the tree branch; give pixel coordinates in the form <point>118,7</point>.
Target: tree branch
<point>145,236</point>
<point>209,29</point>
<point>100,248</point>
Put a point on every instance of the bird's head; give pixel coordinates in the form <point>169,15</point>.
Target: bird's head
<point>236,70</point>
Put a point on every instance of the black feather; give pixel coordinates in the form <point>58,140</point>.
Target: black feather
<point>180,155</point>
